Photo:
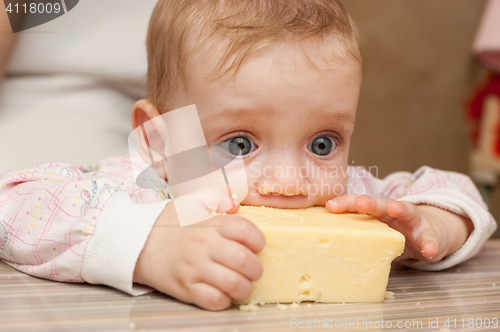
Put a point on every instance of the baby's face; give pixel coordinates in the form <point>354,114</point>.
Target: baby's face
<point>292,123</point>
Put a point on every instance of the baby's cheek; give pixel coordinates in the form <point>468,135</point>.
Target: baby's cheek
<point>329,179</point>
<point>328,187</point>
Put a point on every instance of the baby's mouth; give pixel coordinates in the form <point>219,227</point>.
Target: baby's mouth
<point>281,201</point>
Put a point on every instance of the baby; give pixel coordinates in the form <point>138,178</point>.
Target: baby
<point>278,80</point>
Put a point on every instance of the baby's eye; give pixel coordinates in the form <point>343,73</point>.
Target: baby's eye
<point>240,144</point>
<point>322,145</point>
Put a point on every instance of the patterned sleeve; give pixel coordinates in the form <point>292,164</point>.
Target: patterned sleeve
<point>450,191</point>
<point>68,224</point>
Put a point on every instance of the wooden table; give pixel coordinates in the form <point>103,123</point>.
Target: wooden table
<point>470,291</point>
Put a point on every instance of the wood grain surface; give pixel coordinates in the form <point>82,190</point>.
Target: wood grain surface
<point>469,291</point>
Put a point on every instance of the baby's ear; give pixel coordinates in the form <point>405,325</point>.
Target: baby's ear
<point>142,112</point>
<point>149,132</point>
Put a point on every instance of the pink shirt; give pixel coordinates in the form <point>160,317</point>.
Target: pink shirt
<point>90,224</point>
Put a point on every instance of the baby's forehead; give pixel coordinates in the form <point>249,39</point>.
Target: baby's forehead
<point>286,58</point>
<point>282,80</point>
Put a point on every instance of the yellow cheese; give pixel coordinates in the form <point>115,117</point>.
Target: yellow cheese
<point>314,255</point>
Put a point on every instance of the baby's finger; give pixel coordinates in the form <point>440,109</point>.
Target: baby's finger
<point>202,204</point>
<point>227,280</point>
<point>228,204</point>
<point>344,203</point>
<point>214,200</point>
<point>208,297</point>
<point>239,258</point>
<point>405,212</point>
<point>242,230</point>
<point>430,245</point>
<point>374,206</point>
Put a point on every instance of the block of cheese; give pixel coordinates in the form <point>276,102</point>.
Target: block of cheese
<point>314,255</point>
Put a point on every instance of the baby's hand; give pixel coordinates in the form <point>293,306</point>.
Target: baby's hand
<point>207,263</point>
<point>431,233</point>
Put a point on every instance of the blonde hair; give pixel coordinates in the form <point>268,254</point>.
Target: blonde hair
<point>244,25</point>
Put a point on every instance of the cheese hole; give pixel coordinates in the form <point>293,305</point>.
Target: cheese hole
<point>305,293</point>
<point>306,278</point>
<point>323,244</point>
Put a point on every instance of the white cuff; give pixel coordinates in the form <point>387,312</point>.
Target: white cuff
<point>120,235</point>
<point>460,204</point>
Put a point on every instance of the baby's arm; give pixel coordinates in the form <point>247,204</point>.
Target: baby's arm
<point>437,212</point>
<point>66,224</point>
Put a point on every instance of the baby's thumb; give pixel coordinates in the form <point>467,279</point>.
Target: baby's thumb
<point>429,246</point>
<point>220,201</point>
<point>215,201</point>
<point>228,204</point>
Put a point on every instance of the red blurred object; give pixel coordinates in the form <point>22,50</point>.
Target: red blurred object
<point>475,106</point>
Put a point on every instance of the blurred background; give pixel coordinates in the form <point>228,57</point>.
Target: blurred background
<point>418,73</point>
